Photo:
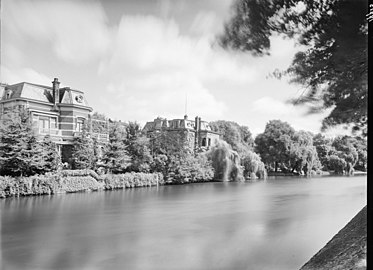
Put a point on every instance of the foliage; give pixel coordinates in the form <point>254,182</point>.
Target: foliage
<point>348,153</point>
<point>169,143</point>
<point>20,152</point>
<point>239,137</point>
<point>360,145</point>
<point>83,152</point>
<point>324,149</point>
<point>50,156</point>
<point>189,169</point>
<point>273,145</point>
<point>225,161</point>
<point>115,157</point>
<point>133,130</point>
<point>332,68</point>
<point>139,150</point>
<point>337,164</point>
<point>303,154</point>
<point>129,180</point>
<point>253,166</point>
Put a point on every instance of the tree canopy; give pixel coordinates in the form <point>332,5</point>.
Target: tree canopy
<point>333,68</point>
<point>238,137</point>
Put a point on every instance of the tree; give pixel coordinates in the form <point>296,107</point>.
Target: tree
<point>116,158</point>
<point>139,150</point>
<point>303,154</point>
<point>83,152</point>
<point>225,161</point>
<point>346,151</point>
<point>360,145</point>
<point>170,143</point>
<point>274,144</point>
<point>324,149</point>
<point>50,156</point>
<point>133,130</point>
<point>332,68</point>
<point>253,166</point>
<point>337,164</point>
<point>20,152</point>
<point>239,137</point>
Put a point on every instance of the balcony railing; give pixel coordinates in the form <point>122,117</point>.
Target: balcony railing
<point>102,137</point>
<point>50,131</point>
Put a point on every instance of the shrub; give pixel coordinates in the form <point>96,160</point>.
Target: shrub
<point>128,180</point>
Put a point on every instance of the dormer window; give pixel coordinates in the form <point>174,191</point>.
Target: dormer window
<point>8,94</point>
<point>79,99</point>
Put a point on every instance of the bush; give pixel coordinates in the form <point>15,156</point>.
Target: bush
<point>78,183</point>
<point>24,186</point>
<point>85,172</point>
<point>129,180</point>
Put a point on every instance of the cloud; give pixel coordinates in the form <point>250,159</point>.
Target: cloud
<point>11,76</point>
<point>76,31</point>
<point>270,106</point>
<point>204,23</point>
<point>154,66</point>
<point>273,109</point>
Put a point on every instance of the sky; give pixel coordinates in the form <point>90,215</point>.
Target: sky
<point>140,59</point>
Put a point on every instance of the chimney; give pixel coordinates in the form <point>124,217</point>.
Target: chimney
<point>56,91</point>
<point>196,123</point>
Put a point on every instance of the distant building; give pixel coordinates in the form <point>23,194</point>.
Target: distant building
<point>198,133</point>
<point>59,112</point>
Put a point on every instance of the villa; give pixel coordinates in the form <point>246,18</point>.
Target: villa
<point>61,113</point>
<point>198,133</point>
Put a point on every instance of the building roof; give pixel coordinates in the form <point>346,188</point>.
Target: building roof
<point>174,124</point>
<point>43,93</point>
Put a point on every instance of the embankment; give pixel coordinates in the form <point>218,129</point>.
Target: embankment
<point>346,250</point>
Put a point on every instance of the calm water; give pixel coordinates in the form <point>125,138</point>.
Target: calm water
<point>274,224</point>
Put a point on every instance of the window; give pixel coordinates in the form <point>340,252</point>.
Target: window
<point>44,124</point>
<point>79,125</point>
<point>53,123</point>
<point>209,142</point>
<point>8,94</point>
<point>204,142</point>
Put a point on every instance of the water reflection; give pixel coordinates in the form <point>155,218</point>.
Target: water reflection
<point>273,224</point>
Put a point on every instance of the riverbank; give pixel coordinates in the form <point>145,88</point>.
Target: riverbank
<point>346,250</point>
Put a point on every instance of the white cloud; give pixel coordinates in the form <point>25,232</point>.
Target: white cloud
<point>270,106</point>
<point>12,76</point>
<point>156,63</point>
<point>204,23</point>
<point>76,31</point>
<point>273,109</point>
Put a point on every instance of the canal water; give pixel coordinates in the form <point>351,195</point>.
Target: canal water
<point>273,224</point>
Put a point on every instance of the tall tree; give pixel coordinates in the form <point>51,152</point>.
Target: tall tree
<point>333,68</point>
<point>116,158</point>
<point>50,157</point>
<point>83,151</point>
<point>20,152</point>
<point>139,150</point>
<point>274,144</point>
<point>239,137</point>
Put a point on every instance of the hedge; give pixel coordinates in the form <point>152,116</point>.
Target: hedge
<point>74,181</point>
<point>130,180</point>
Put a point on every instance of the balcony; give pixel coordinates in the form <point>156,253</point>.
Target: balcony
<point>101,137</point>
<point>49,131</point>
